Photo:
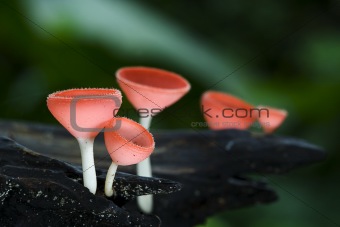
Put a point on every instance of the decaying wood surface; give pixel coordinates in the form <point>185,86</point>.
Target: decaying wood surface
<point>210,165</point>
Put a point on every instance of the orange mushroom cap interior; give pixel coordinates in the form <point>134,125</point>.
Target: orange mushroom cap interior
<point>153,78</point>
<point>84,112</point>
<point>151,88</point>
<point>127,141</point>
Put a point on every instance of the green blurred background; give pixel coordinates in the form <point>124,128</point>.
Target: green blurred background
<point>284,54</point>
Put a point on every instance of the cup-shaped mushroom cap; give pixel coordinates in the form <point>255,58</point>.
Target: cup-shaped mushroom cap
<point>151,88</point>
<point>127,141</point>
<point>84,112</point>
<point>271,118</point>
<point>224,111</point>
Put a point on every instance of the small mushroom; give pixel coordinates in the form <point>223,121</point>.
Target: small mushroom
<point>84,113</point>
<point>128,144</point>
<point>271,121</point>
<point>224,111</point>
<point>153,90</point>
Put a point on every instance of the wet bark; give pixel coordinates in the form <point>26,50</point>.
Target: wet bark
<point>210,168</point>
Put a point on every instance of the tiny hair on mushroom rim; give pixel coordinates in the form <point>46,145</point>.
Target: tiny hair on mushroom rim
<point>110,91</point>
<point>150,137</point>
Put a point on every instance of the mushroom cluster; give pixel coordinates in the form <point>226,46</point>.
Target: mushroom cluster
<point>86,112</point>
<point>219,106</point>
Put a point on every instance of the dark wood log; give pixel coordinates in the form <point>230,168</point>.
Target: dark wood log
<point>39,191</point>
<point>211,166</point>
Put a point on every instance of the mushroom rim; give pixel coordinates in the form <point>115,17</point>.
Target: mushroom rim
<point>223,104</point>
<point>89,93</point>
<point>126,81</point>
<point>140,149</point>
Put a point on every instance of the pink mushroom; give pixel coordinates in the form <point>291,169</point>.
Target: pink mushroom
<point>153,90</point>
<point>271,121</point>
<point>129,144</point>
<point>224,111</point>
<point>84,113</point>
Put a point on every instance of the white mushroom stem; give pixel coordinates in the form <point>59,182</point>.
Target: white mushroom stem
<point>87,160</point>
<point>110,176</point>
<point>145,202</point>
<point>146,121</point>
<point>144,167</point>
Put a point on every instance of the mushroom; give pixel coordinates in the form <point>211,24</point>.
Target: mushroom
<point>273,119</point>
<point>150,90</point>
<point>84,113</point>
<point>129,144</point>
<point>224,111</point>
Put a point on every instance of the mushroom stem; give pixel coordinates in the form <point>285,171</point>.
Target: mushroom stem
<point>144,167</point>
<point>89,170</point>
<point>110,176</point>
<point>145,202</point>
<point>146,121</point>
